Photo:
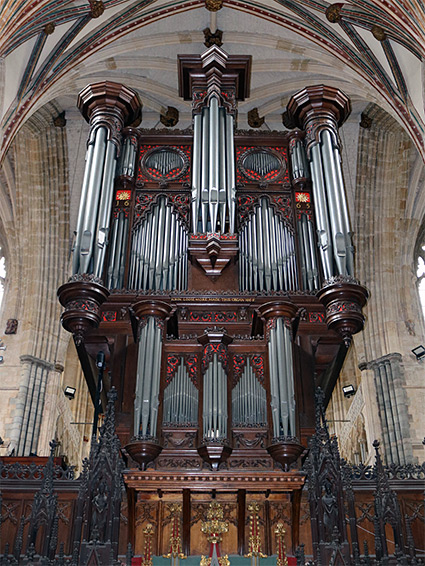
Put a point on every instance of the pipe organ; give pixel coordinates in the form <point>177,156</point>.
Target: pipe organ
<point>215,271</point>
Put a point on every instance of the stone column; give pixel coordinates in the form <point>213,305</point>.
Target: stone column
<point>108,107</point>
<point>29,405</point>
<point>389,380</point>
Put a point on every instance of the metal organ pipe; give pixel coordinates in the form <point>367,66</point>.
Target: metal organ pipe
<point>85,235</point>
<point>213,170</point>
<point>331,210</point>
<point>215,401</point>
<point>248,400</point>
<point>281,380</point>
<point>147,383</point>
<point>84,189</point>
<point>267,252</point>
<point>214,163</point>
<point>196,169</point>
<point>159,250</point>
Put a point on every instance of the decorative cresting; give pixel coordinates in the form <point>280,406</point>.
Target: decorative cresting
<point>82,297</point>
<point>320,110</point>
<point>108,107</point>
<point>213,81</point>
<point>150,317</point>
<point>215,366</point>
<point>277,316</point>
<point>214,528</point>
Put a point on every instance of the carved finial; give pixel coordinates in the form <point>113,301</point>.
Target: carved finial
<point>213,38</point>
<point>213,5</point>
<point>287,120</point>
<point>170,117</point>
<point>97,7</point>
<point>254,119</point>
<point>365,121</point>
<point>378,33</point>
<point>60,121</point>
<point>49,28</point>
<point>333,13</point>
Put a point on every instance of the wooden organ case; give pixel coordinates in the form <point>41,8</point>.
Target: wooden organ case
<point>212,267</point>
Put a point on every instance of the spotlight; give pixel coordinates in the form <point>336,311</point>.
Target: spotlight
<point>348,390</point>
<point>69,392</point>
<point>419,352</point>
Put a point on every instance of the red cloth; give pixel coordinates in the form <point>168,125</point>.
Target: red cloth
<point>136,561</point>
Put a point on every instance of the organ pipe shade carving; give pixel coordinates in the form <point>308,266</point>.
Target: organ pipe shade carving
<point>215,402</point>
<point>267,252</point>
<point>213,171</point>
<point>181,398</point>
<point>281,379</point>
<point>158,257</point>
<point>249,404</point>
<point>148,378</point>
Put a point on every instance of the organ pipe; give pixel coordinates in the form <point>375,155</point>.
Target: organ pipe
<point>249,405</point>
<point>281,380</point>
<point>158,258</point>
<point>267,252</point>
<point>147,381</point>
<point>213,180</point>
<point>89,204</point>
<point>215,401</point>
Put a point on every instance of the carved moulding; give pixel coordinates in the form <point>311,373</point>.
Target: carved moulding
<point>82,297</point>
<point>343,299</point>
<point>110,104</point>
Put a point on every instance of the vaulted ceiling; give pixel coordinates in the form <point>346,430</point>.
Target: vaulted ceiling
<point>373,50</point>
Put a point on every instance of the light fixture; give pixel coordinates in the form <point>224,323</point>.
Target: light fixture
<point>348,390</point>
<point>419,352</point>
<point>69,392</point>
